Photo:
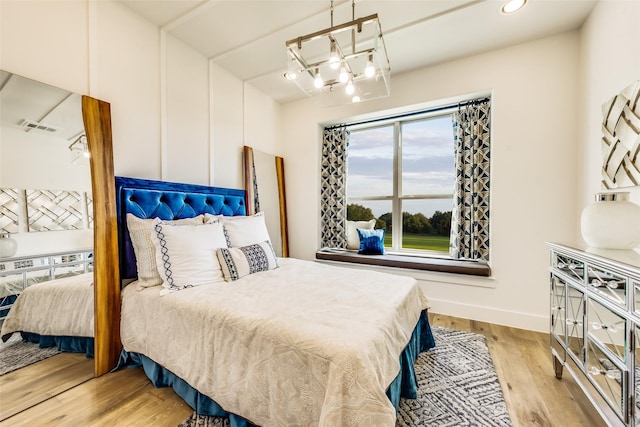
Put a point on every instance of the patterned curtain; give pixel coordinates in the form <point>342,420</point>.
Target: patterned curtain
<point>470,217</point>
<point>333,188</point>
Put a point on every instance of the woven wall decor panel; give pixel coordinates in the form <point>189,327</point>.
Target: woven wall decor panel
<point>621,139</point>
<point>51,210</point>
<point>9,210</point>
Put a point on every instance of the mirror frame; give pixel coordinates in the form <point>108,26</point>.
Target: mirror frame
<point>96,116</point>
<point>249,183</point>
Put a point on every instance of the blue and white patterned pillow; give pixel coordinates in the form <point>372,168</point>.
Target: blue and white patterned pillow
<point>239,262</point>
<point>186,255</point>
<point>141,231</point>
<point>371,241</point>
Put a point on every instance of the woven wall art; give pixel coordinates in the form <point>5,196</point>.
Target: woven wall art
<point>621,139</point>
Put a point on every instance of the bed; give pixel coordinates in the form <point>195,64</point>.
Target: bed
<point>55,313</point>
<point>295,343</point>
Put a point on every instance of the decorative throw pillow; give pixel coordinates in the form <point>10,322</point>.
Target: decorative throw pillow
<point>371,241</point>
<point>238,262</point>
<point>212,218</point>
<point>353,241</point>
<point>245,230</point>
<point>140,232</point>
<point>186,255</point>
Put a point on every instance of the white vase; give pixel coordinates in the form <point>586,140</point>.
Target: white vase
<point>611,222</point>
<point>8,246</point>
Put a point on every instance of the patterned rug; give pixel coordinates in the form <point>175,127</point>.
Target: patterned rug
<point>458,386</point>
<point>16,354</point>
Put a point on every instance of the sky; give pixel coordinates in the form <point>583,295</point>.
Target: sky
<point>427,164</point>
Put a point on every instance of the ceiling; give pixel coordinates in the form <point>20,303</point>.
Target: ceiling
<point>31,106</point>
<point>246,37</point>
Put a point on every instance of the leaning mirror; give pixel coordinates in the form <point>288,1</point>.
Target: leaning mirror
<point>46,244</point>
<point>265,192</point>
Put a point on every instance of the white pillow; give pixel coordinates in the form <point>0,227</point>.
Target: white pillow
<point>186,255</point>
<point>238,262</point>
<point>212,218</point>
<point>140,233</point>
<point>353,241</point>
<point>245,230</point>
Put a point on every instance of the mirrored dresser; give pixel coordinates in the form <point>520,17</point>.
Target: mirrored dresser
<point>595,326</point>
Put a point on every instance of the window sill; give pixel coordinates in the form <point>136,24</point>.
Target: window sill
<point>442,265</point>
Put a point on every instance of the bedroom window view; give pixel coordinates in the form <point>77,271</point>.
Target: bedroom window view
<point>402,174</point>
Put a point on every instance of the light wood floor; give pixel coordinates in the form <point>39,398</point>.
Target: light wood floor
<point>522,359</point>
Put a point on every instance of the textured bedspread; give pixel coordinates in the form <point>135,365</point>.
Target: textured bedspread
<point>304,344</point>
<point>61,307</point>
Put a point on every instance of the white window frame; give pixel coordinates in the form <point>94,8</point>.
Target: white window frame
<point>397,197</point>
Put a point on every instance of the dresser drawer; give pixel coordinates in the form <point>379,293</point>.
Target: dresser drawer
<point>608,328</point>
<point>570,266</point>
<point>609,377</point>
<point>608,284</point>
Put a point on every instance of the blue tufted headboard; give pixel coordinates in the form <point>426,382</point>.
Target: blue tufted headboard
<point>167,200</point>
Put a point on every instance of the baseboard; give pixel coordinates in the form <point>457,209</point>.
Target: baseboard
<point>509,318</point>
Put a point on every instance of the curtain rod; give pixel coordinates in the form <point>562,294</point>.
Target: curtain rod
<point>413,113</point>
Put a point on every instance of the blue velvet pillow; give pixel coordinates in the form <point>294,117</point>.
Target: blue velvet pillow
<point>371,241</point>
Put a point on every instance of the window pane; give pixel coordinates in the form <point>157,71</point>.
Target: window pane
<point>426,224</point>
<point>427,156</point>
<point>365,210</point>
<point>370,162</point>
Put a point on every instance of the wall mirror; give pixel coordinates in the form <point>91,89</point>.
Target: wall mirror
<point>55,164</point>
<point>265,189</point>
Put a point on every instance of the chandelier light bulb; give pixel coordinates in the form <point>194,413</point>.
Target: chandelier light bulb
<point>350,89</point>
<point>369,71</point>
<point>344,76</point>
<point>317,81</point>
<point>334,58</point>
<point>291,75</point>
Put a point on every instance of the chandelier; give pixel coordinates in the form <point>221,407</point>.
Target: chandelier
<point>344,64</point>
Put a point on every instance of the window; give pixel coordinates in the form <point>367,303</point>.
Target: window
<point>402,173</point>
<point>424,176</point>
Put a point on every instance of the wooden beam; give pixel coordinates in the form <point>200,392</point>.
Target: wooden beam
<point>97,122</point>
<point>283,206</point>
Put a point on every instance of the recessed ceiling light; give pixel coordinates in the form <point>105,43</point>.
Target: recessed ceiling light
<point>513,6</point>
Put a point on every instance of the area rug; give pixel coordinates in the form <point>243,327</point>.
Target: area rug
<point>16,354</point>
<point>457,386</point>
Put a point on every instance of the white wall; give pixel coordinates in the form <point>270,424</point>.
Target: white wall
<point>49,50</point>
<point>534,139</point>
<point>35,45</point>
<point>174,116</point>
<point>228,127</point>
<point>187,143</point>
<point>262,126</point>
<point>126,73</point>
<point>609,62</point>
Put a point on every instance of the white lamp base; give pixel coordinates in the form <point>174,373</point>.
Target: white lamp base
<point>8,246</point>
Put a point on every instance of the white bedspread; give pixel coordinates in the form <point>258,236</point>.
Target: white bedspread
<point>61,307</point>
<point>303,345</point>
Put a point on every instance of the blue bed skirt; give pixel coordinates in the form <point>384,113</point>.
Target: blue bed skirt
<point>404,385</point>
<point>66,344</point>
